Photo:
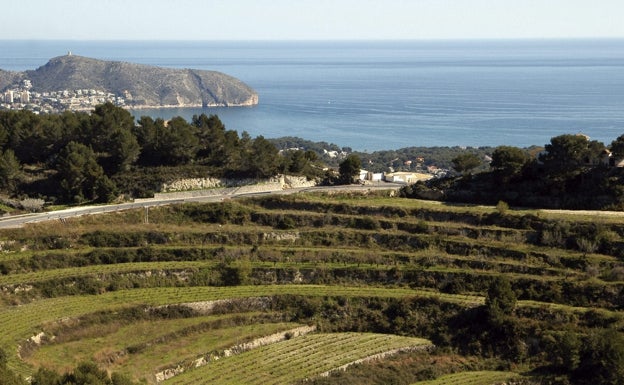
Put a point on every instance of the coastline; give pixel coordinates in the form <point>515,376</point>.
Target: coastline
<point>390,94</point>
<point>251,102</point>
<point>194,105</point>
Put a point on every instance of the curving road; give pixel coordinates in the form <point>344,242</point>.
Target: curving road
<point>20,220</point>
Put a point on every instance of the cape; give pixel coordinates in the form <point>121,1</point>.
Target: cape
<point>139,85</point>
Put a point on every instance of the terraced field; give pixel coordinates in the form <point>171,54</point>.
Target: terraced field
<point>472,378</point>
<point>371,273</point>
<point>298,359</point>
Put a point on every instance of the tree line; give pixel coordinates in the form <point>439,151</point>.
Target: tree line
<point>571,172</point>
<point>77,157</point>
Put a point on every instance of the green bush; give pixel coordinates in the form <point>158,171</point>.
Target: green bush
<point>365,223</point>
<point>502,207</point>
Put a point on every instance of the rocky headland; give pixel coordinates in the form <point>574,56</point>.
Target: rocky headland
<point>86,80</point>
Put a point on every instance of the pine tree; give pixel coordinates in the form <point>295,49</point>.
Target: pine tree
<point>349,169</point>
<point>500,300</point>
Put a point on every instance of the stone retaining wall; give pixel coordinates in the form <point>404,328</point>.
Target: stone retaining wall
<point>258,342</point>
<point>189,184</point>
<point>205,187</point>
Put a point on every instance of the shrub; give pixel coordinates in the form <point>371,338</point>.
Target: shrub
<point>365,223</point>
<point>602,359</point>
<point>586,245</point>
<point>285,223</point>
<point>502,207</point>
<point>32,204</point>
<point>500,300</point>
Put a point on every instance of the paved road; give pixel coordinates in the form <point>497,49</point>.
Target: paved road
<point>21,220</point>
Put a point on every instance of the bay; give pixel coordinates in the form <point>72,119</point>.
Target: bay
<point>372,95</point>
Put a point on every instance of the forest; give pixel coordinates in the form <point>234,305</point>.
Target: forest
<point>77,157</point>
<point>572,172</point>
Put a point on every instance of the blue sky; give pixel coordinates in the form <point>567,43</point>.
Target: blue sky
<point>309,19</point>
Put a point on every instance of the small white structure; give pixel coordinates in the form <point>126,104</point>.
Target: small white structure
<point>370,176</point>
<point>406,177</point>
<point>375,176</point>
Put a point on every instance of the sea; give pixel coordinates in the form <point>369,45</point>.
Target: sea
<point>383,95</point>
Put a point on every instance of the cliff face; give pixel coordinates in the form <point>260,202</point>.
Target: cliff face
<point>147,86</point>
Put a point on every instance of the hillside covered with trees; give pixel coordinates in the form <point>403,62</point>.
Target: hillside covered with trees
<point>76,157</point>
<point>573,172</point>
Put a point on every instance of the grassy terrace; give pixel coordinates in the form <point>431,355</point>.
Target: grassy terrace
<point>146,347</point>
<point>17,324</point>
<point>343,262</point>
<point>296,359</point>
<point>473,378</point>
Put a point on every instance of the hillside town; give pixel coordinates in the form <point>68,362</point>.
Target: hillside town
<point>22,96</point>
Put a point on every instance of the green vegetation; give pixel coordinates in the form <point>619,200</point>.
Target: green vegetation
<point>509,160</point>
<point>144,346</point>
<point>7,376</point>
<point>77,157</point>
<point>572,173</point>
<point>86,373</point>
<point>532,294</point>
<point>297,359</point>
<point>472,378</point>
<point>420,157</point>
<point>305,288</point>
<point>500,300</point>
<point>349,169</point>
<point>464,163</point>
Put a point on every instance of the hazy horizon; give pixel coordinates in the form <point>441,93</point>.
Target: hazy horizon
<point>311,20</point>
<point>385,95</point>
<point>311,40</point>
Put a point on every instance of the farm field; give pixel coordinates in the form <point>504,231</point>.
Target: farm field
<point>298,358</point>
<point>472,378</point>
<point>213,289</point>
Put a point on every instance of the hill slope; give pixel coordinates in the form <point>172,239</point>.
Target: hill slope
<point>7,78</point>
<point>148,85</point>
<point>145,295</point>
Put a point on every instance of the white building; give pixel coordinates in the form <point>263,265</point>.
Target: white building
<point>406,177</point>
<point>370,176</point>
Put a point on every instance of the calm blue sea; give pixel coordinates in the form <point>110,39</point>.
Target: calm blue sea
<point>392,94</point>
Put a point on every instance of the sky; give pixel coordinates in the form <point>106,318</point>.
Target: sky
<point>309,19</point>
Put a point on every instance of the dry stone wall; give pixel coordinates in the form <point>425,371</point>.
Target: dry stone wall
<point>188,184</point>
<point>258,342</point>
<point>200,187</point>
